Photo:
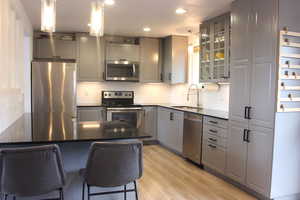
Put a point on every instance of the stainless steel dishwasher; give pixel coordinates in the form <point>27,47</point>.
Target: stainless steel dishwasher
<point>192,137</point>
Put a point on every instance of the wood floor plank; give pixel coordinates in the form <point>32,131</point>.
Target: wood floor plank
<point>167,176</point>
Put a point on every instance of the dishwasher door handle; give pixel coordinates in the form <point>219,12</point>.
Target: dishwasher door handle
<point>193,120</point>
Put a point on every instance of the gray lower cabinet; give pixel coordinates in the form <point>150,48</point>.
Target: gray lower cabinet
<point>150,64</point>
<point>249,156</point>
<point>236,152</point>
<point>150,126</point>
<point>91,114</point>
<point>90,57</point>
<point>214,146</point>
<point>170,128</point>
<point>175,59</point>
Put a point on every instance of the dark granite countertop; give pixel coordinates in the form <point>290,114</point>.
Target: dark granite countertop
<point>66,129</point>
<point>202,111</point>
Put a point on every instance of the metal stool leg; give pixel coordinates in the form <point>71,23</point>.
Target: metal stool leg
<point>83,192</point>
<point>88,188</point>
<point>5,196</point>
<point>125,191</point>
<point>61,194</point>
<point>136,191</point>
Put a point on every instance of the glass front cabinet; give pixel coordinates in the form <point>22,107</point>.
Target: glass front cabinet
<point>215,49</point>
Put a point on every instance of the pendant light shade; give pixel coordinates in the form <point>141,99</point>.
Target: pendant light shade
<point>48,14</point>
<point>97,19</point>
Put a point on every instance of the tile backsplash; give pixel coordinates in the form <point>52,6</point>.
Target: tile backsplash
<point>90,93</point>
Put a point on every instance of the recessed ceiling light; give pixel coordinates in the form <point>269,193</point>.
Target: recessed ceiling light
<point>180,11</point>
<point>147,29</point>
<point>109,2</point>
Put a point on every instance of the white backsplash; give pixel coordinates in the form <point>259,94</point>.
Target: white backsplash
<point>90,93</point>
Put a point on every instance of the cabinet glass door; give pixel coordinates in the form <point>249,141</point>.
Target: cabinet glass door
<point>205,58</point>
<point>219,50</point>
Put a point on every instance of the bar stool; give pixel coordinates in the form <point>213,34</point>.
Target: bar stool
<point>113,164</point>
<point>31,171</point>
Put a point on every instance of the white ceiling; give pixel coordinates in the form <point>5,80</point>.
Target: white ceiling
<point>128,17</point>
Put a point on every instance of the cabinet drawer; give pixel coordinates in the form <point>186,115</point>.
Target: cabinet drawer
<point>222,142</point>
<point>214,156</point>
<point>216,122</point>
<point>213,130</point>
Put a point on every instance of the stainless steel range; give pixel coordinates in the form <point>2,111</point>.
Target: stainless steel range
<point>120,107</point>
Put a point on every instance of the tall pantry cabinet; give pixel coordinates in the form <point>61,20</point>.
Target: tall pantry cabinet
<point>255,141</point>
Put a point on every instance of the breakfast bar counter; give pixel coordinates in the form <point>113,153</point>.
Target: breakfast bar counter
<point>60,128</point>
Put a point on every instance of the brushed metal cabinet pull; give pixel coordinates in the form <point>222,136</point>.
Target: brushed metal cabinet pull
<point>249,112</point>
<point>213,122</point>
<point>212,146</point>
<point>248,136</point>
<point>213,131</point>
<point>212,139</point>
<point>244,135</point>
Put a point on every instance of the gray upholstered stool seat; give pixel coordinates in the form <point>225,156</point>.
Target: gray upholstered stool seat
<point>112,164</point>
<point>31,171</point>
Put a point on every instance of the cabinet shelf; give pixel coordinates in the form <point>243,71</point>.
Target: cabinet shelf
<point>289,110</point>
<point>290,55</point>
<point>291,44</point>
<point>290,88</point>
<point>297,99</point>
<point>290,77</point>
<point>285,66</point>
<point>290,33</point>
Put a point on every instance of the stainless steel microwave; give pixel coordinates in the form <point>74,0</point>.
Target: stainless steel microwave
<point>122,70</point>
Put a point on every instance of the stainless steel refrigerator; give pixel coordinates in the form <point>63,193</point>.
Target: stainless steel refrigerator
<point>53,99</point>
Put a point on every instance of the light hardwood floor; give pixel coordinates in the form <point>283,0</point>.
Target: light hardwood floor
<point>169,177</point>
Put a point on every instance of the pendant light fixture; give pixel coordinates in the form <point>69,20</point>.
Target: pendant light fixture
<point>48,14</point>
<point>97,19</point>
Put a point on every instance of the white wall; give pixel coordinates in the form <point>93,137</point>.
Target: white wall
<point>90,93</point>
<point>14,25</point>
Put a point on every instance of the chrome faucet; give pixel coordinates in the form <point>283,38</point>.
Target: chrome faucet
<point>198,93</point>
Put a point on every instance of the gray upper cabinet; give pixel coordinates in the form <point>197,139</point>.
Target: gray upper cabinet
<point>263,75</point>
<point>90,54</point>
<point>175,59</point>
<point>150,65</point>
<point>215,49</point>
<point>253,76</point>
<point>240,32</point>
<point>130,52</point>
<point>60,46</point>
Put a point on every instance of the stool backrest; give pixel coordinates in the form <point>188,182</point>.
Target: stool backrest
<point>31,171</point>
<point>113,164</point>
